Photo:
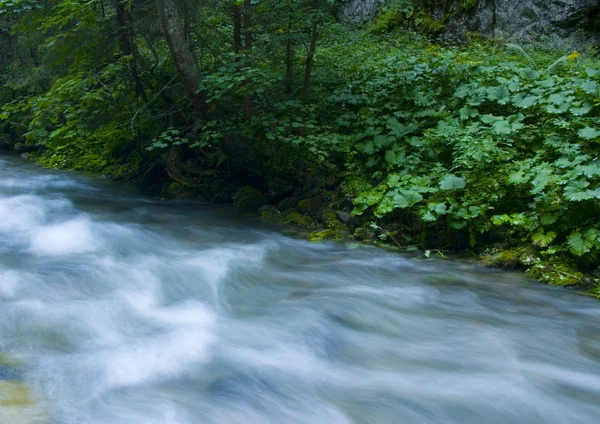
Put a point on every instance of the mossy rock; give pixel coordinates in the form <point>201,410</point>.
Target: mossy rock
<point>270,215</point>
<point>509,258</point>
<point>364,234</point>
<point>177,191</point>
<point>327,234</point>
<point>331,221</point>
<point>248,199</point>
<point>17,405</point>
<point>311,205</point>
<point>556,271</point>
<point>299,219</point>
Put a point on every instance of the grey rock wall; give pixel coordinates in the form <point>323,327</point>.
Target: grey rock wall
<point>358,10</point>
<point>514,20</point>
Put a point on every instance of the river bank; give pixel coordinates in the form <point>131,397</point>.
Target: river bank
<point>326,215</point>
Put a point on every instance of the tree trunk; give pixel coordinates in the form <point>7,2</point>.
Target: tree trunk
<point>181,54</point>
<point>128,48</point>
<point>311,49</point>
<point>248,107</point>
<point>237,31</point>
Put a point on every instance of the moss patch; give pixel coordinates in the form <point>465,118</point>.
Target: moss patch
<point>312,204</point>
<point>556,271</point>
<point>509,258</point>
<point>299,219</point>
<point>248,199</point>
<point>327,234</point>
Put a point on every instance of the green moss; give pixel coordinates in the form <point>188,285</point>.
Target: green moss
<point>327,234</point>
<point>299,219</point>
<point>248,199</point>
<point>509,258</point>
<point>328,216</point>
<point>556,271</point>
<point>270,215</point>
<point>388,21</point>
<point>312,204</point>
<point>177,191</point>
<point>14,393</point>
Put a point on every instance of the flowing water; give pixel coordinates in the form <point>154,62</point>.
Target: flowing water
<point>115,308</point>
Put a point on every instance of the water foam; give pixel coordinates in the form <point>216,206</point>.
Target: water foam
<point>66,238</point>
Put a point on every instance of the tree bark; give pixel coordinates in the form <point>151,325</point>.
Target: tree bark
<point>128,47</point>
<point>248,106</point>
<point>181,54</point>
<point>237,30</point>
<point>311,49</point>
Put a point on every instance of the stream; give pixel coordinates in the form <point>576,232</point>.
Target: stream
<point>117,308</point>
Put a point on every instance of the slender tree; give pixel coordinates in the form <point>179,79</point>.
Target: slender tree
<point>180,52</point>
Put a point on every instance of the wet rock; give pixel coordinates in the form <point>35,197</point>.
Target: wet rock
<point>344,216</point>
<point>17,405</point>
<point>248,199</point>
<point>358,10</point>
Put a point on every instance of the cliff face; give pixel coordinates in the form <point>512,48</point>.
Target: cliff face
<point>358,10</point>
<point>572,21</point>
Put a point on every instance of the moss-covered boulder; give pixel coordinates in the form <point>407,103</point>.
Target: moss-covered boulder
<point>248,199</point>
<point>508,258</point>
<point>270,214</point>
<point>556,271</point>
<point>17,405</point>
<point>331,221</point>
<point>299,220</point>
<point>326,234</point>
<point>312,204</point>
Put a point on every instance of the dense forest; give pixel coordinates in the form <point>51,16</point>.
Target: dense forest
<point>384,130</point>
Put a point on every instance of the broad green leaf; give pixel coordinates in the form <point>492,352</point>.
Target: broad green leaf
<point>452,182</point>
<point>468,112</point>
<point>577,191</point>
<point>542,239</point>
<point>548,218</point>
<point>406,198</point>
<point>557,99</point>
<point>588,133</point>
<point>580,111</point>
<point>582,243</point>
<point>589,86</point>
<point>525,102</point>
<point>502,127</point>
